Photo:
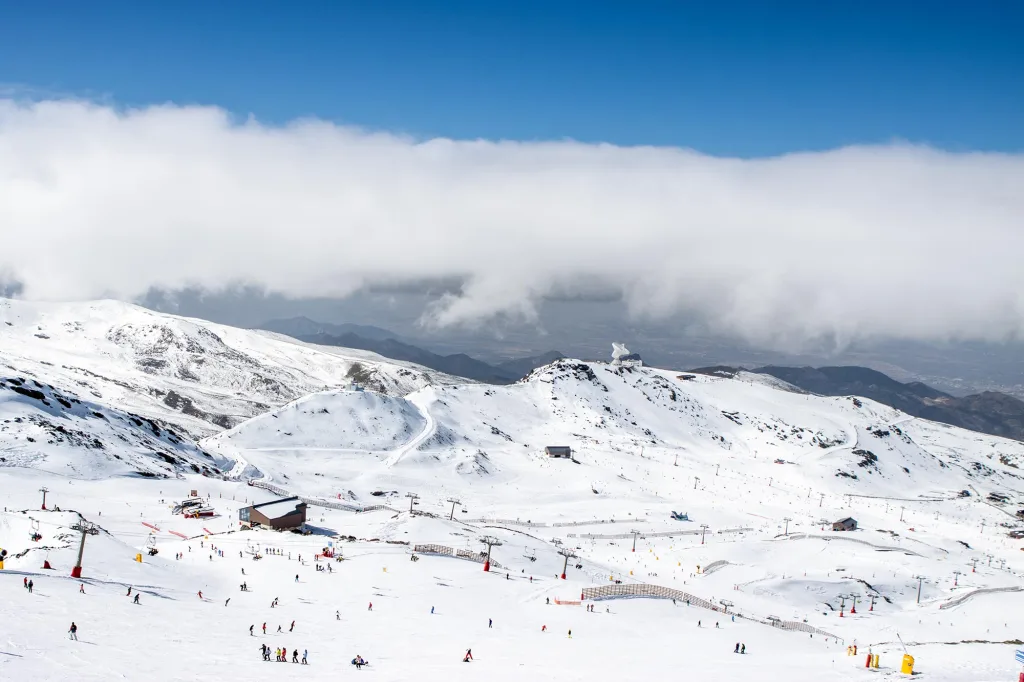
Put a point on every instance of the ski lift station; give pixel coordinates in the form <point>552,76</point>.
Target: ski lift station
<point>558,451</point>
<point>279,514</point>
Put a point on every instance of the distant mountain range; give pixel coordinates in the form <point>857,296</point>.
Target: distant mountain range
<point>388,344</point>
<point>988,412</point>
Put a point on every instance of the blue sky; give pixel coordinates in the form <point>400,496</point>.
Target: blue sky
<point>746,79</point>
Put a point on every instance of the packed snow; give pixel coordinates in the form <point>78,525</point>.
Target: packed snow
<point>760,471</point>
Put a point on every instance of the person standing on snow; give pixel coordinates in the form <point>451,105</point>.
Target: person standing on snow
<point>370,607</point>
<point>490,623</point>
<point>264,628</point>
<point>81,587</point>
<point>305,652</point>
<point>129,591</point>
<point>30,584</point>
<point>468,657</point>
<point>295,656</point>
<point>250,630</point>
<point>136,600</point>
<point>73,631</point>
<point>337,615</point>
<point>292,628</point>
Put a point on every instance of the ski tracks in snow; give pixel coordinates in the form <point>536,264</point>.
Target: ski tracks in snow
<point>421,400</point>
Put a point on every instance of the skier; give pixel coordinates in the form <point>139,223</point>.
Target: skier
<point>547,600</point>
<point>264,628</point>
<point>490,623</point>
<point>737,649</point>
<point>698,623</point>
<point>200,594</point>
<point>543,628</point>
<point>279,628</point>
<point>570,634</point>
<point>304,653</point>
<point>292,627</point>
<point>743,648</point>
<point>277,653</point>
<point>716,624</point>
<point>226,601</point>
<point>431,610</point>
<point>129,591</point>
<point>370,607</point>
<point>296,577</point>
<point>81,588</point>
<point>337,615</point>
<point>73,632</point>
<point>359,662</point>
<point>468,657</point>
<point>136,600</point>
<point>24,582</point>
<point>250,630</point>
<point>295,656</point>
<point>30,584</point>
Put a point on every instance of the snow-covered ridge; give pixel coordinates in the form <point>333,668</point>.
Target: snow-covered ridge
<point>199,376</point>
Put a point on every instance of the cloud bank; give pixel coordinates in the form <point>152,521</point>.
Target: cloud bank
<point>892,240</point>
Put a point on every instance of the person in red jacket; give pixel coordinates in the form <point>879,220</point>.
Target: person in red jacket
<point>468,657</point>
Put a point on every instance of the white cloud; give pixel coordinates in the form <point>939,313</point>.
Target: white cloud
<point>887,240</point>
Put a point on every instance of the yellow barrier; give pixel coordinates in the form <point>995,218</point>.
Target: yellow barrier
<point>138,557</point>
<point>908,665</point>
<point>1,565</point>
<point>874,661</point>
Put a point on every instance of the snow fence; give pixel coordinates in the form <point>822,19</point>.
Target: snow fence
<point>645,590</point>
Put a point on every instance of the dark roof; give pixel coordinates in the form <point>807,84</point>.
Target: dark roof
<point>848,518</point>
<point>559,448</point>
<point>279,508</point>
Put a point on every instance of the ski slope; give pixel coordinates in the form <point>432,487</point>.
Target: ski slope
<point>760,469</point>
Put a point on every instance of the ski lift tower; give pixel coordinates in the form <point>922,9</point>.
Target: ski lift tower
<point>44,490</point>
<point>412,500</point>
<point>454,501</point>
<point>86,528</point>
<point>703,529</point>
<point>490,541</point>
<point>567,553</point>
<point>635,534</point>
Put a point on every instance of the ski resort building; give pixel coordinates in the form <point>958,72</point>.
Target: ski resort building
<point>558,451</point>
<point>280,514</point>
<point>848,523</point>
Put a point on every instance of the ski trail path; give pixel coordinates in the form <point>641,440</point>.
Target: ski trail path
<point>421,400</point>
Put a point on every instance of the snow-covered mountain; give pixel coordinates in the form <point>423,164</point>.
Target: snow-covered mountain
<point>197,376</point>
<point>617,420</point>
<point>759,468</point>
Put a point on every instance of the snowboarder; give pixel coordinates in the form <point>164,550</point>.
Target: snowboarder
<point>468,657</point>
<point>73,632</point>
<point>136,600</point>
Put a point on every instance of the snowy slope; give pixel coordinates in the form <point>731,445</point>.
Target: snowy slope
<point>50,430</point>
<point>198,376</point>
<point>647,442</point>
